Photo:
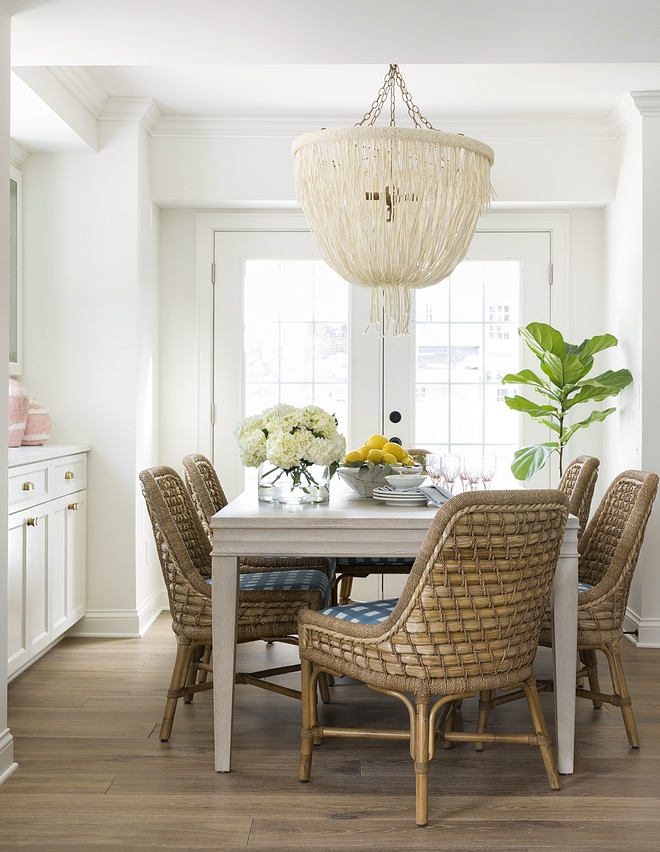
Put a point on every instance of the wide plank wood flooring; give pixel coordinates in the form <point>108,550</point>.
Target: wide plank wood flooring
<point>94,776</point>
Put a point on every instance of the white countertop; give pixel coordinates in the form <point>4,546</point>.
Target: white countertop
<point>28,455</point>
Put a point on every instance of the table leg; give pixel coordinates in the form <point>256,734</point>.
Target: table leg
<point>564,646</point>
<point>225,606</point>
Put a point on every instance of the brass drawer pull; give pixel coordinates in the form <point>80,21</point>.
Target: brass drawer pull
<point>28,486</point>
<point>69,475</point>
<point>73,507</point>
<point>33,522</point>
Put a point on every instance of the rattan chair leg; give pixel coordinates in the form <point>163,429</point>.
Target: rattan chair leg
<point>206,659</point>
<point>621,690</point>
<point>485,697</point>
<point>592,662</point>
<point>306,745</point>
<point>547,752</point>
<point>193,668</point>
<point>179,673</point>
<point>422,761</point>
<point>323,688</point>
<point>345,588</point>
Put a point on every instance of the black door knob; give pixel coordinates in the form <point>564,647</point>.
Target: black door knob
<point>396,440</point>
<point>395,416</point>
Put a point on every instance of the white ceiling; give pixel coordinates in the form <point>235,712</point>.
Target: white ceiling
<point>324,60</point>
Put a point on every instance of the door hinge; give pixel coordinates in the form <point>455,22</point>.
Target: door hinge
<point>550,274</point>
<point>213,273</point>
<point>213,414</point>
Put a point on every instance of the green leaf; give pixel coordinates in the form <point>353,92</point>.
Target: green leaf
<point>594,417</point>
<point>527,461</point>
<point>542,338</point>
<point>529,377</point>
<point>600,387</point>
<point>563,370</point>
<point>595,344</point>
<point>550,424</point>
<point>519,403</point>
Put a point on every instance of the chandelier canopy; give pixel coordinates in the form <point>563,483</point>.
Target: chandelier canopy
<point>392,208</point>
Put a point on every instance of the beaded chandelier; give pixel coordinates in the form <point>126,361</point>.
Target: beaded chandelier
<point>392,208</point>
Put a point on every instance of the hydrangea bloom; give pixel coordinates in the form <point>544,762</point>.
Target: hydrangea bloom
<point>290,438</point>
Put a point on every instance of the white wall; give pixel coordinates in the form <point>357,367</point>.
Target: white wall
<point>89,336</point>
<point>7,764</point>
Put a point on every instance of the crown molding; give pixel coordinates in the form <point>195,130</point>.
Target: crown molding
<point>648,103</point>
<point>280,128</point>
<point>83,86</point>
<point>143,110</point>
<point>17,154</point>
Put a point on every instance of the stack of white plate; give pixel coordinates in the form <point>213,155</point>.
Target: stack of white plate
<point>400,498</point>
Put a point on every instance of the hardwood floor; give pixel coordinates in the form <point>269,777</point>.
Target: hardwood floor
<point>94,777</point>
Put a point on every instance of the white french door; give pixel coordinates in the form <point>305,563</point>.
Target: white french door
<point>288,329</point>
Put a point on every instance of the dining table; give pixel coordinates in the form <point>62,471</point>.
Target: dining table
<point>350,525</point>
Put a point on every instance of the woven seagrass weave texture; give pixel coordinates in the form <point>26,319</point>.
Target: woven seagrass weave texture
<point>609,551</point>
<point>579,482</point>
<point>470,613</point>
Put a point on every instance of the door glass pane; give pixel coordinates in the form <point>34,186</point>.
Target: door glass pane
<point>466,340</point>
<point>295,336</point>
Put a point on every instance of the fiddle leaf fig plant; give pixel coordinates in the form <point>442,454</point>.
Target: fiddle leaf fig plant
<point>564,383</point>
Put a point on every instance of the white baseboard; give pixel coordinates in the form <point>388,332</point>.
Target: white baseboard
<point>647,633</point>
<point>121,624</point>
<point>7,763</point>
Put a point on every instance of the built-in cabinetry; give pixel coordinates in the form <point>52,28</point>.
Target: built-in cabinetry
<point>47,548</point>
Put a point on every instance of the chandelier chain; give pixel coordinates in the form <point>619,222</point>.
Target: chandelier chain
<point>394,78</point>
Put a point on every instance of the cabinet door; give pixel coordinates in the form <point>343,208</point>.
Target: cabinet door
<point>37,522</point>
<point>17,615</point>
<point>77,555</point>
<point>67,561</point>
<point>59,581</point>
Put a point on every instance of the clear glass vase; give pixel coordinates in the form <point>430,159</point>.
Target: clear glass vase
<point>310,484</point>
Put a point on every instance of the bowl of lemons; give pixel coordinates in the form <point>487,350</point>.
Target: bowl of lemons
<point>366,468</point>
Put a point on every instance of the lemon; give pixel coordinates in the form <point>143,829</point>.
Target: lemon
<point>363,452</point>
<point>375,456</point>
<point>376,442</point>
<point>388,458</point>
<point>353,456</point>
<point>394,449</point>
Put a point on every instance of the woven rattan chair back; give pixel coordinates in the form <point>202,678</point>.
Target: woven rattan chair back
<point>183,549</point>
<point>610,548</point>
<point>205,489</point>
<point>578,482</point>
<point>471,609</point>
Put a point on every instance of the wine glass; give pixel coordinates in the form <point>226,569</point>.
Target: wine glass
<point>489,469</point>
<point>434,468</point>
<point>451,465</point>
<point>472,471</point>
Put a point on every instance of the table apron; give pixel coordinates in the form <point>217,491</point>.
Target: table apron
<point>322,543</point>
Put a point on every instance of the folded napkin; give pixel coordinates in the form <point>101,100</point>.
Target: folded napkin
<point>435,494</point>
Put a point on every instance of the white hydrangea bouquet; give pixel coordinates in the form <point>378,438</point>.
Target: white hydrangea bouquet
<point>302,448</point>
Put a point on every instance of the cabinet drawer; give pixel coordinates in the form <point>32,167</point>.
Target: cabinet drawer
<point>28,485</point>
<point>69,474</point>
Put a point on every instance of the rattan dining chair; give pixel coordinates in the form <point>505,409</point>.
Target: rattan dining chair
<point>208,497</point>
<point>268,603</point>
<point>468,620</point>
<point>578,482</point>
<point>609,550</point>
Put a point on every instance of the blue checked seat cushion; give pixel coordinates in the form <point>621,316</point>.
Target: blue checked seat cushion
<point>276,581</point>
<point>363,566</point>
<point>373,612</point>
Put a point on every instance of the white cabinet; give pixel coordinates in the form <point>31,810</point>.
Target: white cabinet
<point>47,550</point>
